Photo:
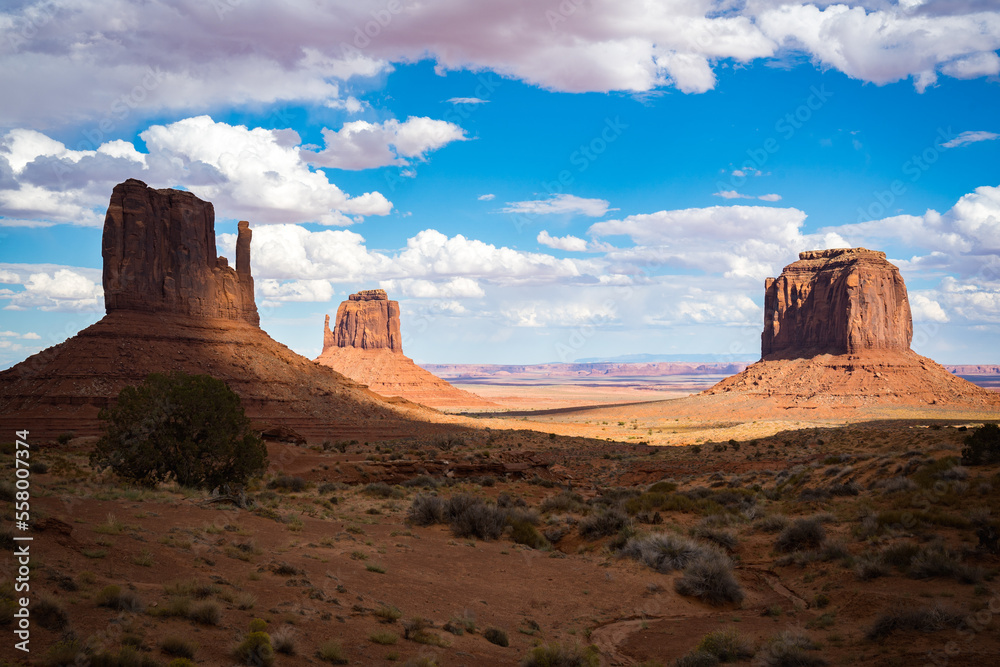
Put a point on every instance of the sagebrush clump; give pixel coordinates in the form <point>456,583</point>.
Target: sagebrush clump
<point>805,533</point>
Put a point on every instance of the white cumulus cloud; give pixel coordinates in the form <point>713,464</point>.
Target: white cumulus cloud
<point>887,44</point>
<point>733,194</point>
<point>701,307</point>
<point>257,170</point>
<point>363,145</point>
<point>291,252</point>
<point>750,242</point>
<point>275,291</point>
<point>253,173</point>
<point>54,288</point>
<point>420,288</point>
<point>923,308</point>
<point>571,243</point>
<point>116,58</point>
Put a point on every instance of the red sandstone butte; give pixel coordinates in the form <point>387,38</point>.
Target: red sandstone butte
<point>172,304</point>
<point>159,257</point>
<point>365,344</point>
<point>837,332</point>
<point>368,320</point>
<point>841,301</point>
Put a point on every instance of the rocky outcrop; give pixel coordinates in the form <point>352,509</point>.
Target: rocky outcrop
<point>368,320</point>
<point>159,256</point>
<point>842,301</point>
<point>172,305</point>
<point>365,344</point>
<point>836,342</point>
<point>831,385</point>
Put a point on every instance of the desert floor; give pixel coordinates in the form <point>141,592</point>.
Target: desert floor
<point>846,541</point>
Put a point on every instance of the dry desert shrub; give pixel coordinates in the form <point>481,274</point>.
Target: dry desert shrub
<point>382,490</point>
<point>772,523</point>
<point>422,481</point>
<point>496,636</point>
<point>727,645</point>
<point>481,520</point>
<point>331,651</point>
<point>710,578</point>
<point>697,659</point>
<point>113,597</point>
<point>603,523</point>
<point>206,613</point>
<point>426,510</point>
<point>283,640</point>
<point>49,614</point>
<point>387,614</point>
<point>178,647</point>
<point>558,655</point>
<point>982,446</point>
<point>383,637</point>
<point>564,501</point>
<point>724,538</point>
<point>936,560</point>
<point>926,619</point>
<point>870,566</point>
<point>789,649</point>
<point>524,532</point>
<point>664,552</point>
<point>287,483</point>
<point>459,624</point>
<point>804,533</point>
<point>255,650</point>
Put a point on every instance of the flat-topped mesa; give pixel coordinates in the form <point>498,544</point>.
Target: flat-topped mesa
<point>369,295</point>
<point>841,301</point>
<point>159,256</point>
<point>368,320</point>
<point>365,345</point>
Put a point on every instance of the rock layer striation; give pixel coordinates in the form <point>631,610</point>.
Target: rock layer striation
<point>842,301</point>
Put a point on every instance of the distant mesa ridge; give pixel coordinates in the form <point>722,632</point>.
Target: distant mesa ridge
<point>841,301</point>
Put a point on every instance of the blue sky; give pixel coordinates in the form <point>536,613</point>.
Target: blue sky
<point>533,184</point>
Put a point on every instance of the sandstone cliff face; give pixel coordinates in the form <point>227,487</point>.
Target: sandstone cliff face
<point>159,256</point>
<point>842,301</point>
<point>368,320</point>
